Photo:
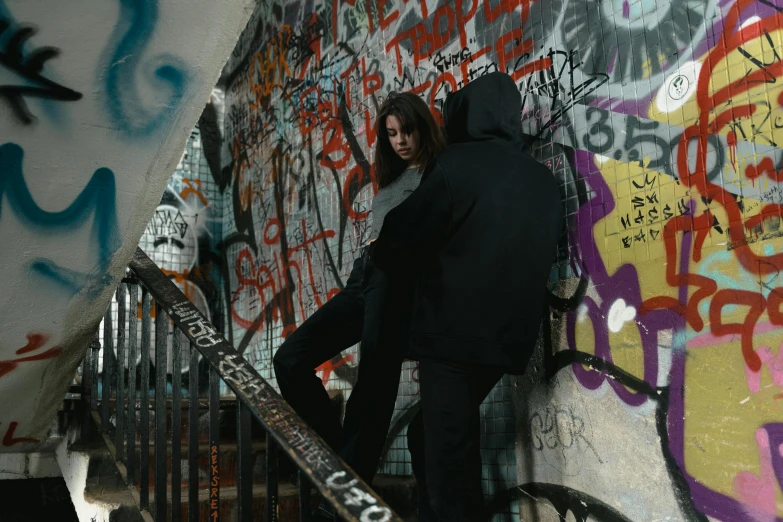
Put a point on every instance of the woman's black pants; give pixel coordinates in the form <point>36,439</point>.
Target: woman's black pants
<point>366,310</point>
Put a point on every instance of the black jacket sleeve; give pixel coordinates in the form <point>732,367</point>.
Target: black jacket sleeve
<point>417,227</point>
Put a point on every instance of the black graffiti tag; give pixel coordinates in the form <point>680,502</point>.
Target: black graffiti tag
<point>561,429</point>
<point>29,68</point>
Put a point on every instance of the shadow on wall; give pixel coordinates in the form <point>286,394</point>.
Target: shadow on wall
<point>33,500</point>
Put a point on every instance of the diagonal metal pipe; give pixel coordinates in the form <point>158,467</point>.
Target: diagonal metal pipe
<point>351,497</point>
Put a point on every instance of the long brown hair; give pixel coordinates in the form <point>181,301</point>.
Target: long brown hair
<point>414,115</point>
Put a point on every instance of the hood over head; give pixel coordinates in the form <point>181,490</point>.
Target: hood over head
<point>487,108</point>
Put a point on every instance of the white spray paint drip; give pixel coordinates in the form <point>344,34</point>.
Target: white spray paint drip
<point>581,313</point>
<point>619,314</point>
<point>750,21</point>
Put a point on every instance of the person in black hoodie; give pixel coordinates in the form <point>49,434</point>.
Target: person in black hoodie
<point>478,236</point>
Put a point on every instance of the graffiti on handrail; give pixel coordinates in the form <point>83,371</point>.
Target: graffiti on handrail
<point>354,500</point>
<point>204,333</point>
<point>232,369</point>
<point>353,496</point>
<point>309,449</point>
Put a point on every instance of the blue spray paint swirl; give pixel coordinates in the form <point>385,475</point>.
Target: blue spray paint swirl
<point>97,200</point>
<point>124,59</point>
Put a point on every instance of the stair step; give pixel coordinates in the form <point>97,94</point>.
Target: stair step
<point>227,427</point>
<point>227,461</point>
<point>227,447</point>
<point>287,508</point>
<point>231,492</point>
<point>203,404</point>
<point>228,465</point>
<point>398,492</point>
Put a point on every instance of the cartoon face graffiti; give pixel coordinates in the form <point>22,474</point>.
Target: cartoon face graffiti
<point>170,239</point>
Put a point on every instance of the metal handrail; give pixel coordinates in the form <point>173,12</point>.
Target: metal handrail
<point>318,464</point>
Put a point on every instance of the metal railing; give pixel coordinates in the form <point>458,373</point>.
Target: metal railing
<point>115,411</point>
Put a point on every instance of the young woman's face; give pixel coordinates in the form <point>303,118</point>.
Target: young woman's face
<point>405,145</point>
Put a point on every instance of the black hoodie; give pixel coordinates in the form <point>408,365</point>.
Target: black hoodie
<point>479,235</point>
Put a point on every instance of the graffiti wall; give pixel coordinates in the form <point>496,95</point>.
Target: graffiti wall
<point>183,237</point>
<point>96,103</point>
<point>657,389</point>
<point>662,355</point>
<point>303,88</point>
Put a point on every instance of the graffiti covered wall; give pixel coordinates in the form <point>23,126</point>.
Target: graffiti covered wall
<point>303,88</point>
<point>96,103</point>
<point>662,354</point>
<point>657,390</point>
<point>183,235</point>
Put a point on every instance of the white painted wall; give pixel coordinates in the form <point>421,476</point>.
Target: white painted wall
<point>129,81</point>
<point>20,466</point>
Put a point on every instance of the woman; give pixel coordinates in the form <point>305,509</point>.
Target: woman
<point>369,309</point>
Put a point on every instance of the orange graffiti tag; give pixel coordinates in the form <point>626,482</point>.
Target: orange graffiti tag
<point>195,190</point>
<point>34,342</point>
<point>329,366</point>
<point>10,440</point>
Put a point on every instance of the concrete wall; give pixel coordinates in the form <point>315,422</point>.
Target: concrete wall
<point>657,388</point>
<point>97,102</point>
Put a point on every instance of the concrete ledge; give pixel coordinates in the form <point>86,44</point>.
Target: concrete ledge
<point>15,466</point>
<point>98,491</point>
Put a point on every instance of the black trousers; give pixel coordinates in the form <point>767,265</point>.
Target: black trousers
<point>365,310</point>
<point>447,464</point>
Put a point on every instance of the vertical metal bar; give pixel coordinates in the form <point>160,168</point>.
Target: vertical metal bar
<point>144,446</point>
<point>161,335</point>
<point>214,445</point>
<point>78,377</point>
<point>80,371</point>
<point>305,504</point>
<point>87,378</point>
<point>131,424</point>
<point>87,374</point>
<point>119,433</point>
<point>271,478</point>
<point>107,371</point>
<point>176,428</point>
<point>95,348</point>
<point>193,437</point>
<point>245,464</point>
